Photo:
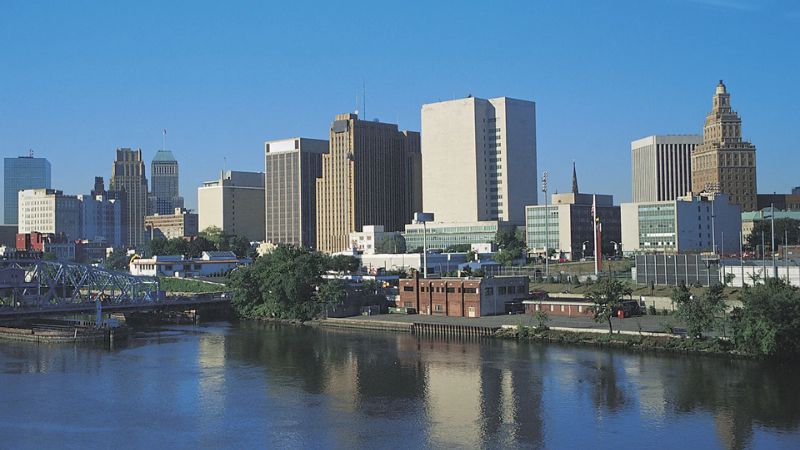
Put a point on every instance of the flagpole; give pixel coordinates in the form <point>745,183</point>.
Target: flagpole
<point>594,232</point>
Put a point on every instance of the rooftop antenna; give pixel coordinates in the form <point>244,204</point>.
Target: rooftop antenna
<point>364,99</point>
<point>357,102</point>
<point>30,152</point>
<point>164,139</point>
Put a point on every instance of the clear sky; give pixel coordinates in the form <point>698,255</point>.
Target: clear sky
<point>81,78</point>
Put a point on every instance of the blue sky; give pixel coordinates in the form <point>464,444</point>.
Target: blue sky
<point>79,79</point>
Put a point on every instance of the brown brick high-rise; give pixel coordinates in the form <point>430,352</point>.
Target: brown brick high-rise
<point>724,162</point>
<point>370,176</point>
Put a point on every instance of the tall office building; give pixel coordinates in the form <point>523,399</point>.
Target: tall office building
<point>233,203</point>
<point>479,159</point>
<point>291,169</point>
<point>661,167</point>
<point>724,162</point>
<point>368,178</point>
<point>49,211</point>
<point>101,216</point>
<point>24,172</point>
<point>128,177</point>
<point>164,192</point>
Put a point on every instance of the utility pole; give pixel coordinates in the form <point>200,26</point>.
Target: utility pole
<point>546,228</point>
<point>772,220</point>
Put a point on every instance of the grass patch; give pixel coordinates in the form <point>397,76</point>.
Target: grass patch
<point>188,286</point>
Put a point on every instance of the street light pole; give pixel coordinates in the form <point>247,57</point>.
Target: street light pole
<point>772,248</point>
<point>424,218</point>
<point>546,227</point>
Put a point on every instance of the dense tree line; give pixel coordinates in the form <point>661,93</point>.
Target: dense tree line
<point>210,239</point>
<point>287,283</point>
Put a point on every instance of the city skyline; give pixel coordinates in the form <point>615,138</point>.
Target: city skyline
<point>219,108</point>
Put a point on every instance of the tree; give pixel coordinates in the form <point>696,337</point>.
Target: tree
<point>783,227</point>
<point>331,293</point>
<point>607,295</point>
<point>699,312</point>
<point>281,284</point>
<point>394,243</point>
<point>458,248</point>
<point>240,246</point>
<point>769,321</point>
<point>118,260</point>
<point>511,244</point>
<point>343,264</point>
<point>471,255</point>
<point>214,235</point>
<point>198,245</point>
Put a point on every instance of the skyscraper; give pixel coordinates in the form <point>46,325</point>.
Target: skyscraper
<point>128,176</point>
<point>661,167</point>
<point>291,168</point>
<point>367,179</point>
<point>164,191</point>
<point>479,159</point>
<point>724,162</point>
<point>24,172</point>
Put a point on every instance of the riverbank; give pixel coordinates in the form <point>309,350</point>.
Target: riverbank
<point>644,333</point>
<point>60,333</point>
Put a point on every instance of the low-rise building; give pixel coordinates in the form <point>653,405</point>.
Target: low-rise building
<point>443,235</point>
<point>461,297</point>
<point>565,225</point>
<point>180,224</point>
<point>438,263</point>
<point>751,218</point>
<point>369,239</point>
<point>209,264</point>
<point>692,223</point>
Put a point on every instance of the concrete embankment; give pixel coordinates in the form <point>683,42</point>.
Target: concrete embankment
<point>438,329</point>
<point>59,334</point>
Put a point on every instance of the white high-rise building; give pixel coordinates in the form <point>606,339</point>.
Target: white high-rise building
<point>479,159</point>
<point>49,211</point>
<point>661,167</point>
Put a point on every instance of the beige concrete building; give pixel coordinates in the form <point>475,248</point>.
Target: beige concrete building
<point>368,178</point>
<point>234,203</point>
<point>291,168</point>
<point>661,167</point>
<point>479,159</point>
<point>370,238</point>
<point>180,224</point>
<point>49,211</point>
<point>128,177</point>
<point>724,162</point>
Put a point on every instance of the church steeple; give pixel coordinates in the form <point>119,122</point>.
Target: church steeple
<point>574,179</point>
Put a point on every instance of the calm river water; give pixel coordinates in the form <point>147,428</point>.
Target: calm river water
<point>255,385</point>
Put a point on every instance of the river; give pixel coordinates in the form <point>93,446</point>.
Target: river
<point>258,385</point>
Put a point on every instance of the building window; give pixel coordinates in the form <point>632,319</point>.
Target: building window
<point>501,290</point>
<point>438,307</point>
<point>489,291</point>
<point>470,291</point>
<point>451,290</point>
<point>408,288</point>
<point>407,304</point>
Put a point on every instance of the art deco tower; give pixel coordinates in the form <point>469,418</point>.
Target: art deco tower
<point>724,162</point>
<point>128,177</point>
<point>164,191</point>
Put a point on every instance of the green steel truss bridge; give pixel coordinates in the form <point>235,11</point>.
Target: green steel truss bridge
<point>39,287</point>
